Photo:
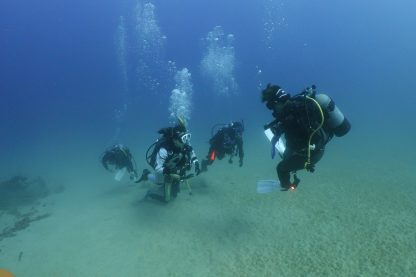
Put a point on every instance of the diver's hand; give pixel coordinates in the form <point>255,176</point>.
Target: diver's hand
<point>197,168</point>
<point>133,176</point>
<point>172,178</point>
<point>240,163</point>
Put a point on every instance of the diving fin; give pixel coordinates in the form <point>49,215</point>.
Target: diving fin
<point>266,186</point>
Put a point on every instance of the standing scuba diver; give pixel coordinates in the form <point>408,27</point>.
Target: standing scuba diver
<point>171,156</point>
<point>306,122</point>
<point>228,140</point>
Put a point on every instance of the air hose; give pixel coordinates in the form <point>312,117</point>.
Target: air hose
<point>308,166</point>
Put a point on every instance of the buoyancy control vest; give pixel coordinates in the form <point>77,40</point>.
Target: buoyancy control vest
<point>178,161</point>
<point>299,119</point>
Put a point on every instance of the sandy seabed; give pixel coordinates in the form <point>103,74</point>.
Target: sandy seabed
<point>355,216</point>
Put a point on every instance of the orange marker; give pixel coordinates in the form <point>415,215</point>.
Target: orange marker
<point>5,273</point>
<point>212,155</point>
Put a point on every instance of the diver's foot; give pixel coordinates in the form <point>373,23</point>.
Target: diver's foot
<point>295,183</point>
<point>145,173</point>
<point>291,186</point>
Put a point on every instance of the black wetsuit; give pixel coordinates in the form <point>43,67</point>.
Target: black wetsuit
<point>298,119</point>
<point>227,141</point>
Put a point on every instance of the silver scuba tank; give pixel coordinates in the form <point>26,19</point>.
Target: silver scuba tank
<point>337,122</point>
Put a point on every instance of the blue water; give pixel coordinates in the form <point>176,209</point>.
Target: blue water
<point>57,58</point>
<point>67,90</point>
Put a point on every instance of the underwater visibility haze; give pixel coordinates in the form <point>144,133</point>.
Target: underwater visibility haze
<point>77,77</point>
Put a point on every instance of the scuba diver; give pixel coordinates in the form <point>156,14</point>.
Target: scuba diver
<point>118,158</point>
<point>171,156</point>
<point>228,140</point>
<point>305,123</point>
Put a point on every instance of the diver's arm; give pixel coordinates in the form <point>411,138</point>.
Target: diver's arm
<point>195,162</point>
<point>275,127</point>
<point>193,156</point>
<point>129,162</point>
<point>277,131</point>
<point>271,125</point>
<point>160,160</point>
<point>194,159</point>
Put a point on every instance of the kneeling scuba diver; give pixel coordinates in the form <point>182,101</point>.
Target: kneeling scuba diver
<point>171,157</point>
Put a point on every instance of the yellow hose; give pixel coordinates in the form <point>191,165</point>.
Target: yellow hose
<point>308,162</point>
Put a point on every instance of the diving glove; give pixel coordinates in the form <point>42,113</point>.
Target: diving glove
<point>133,176</point>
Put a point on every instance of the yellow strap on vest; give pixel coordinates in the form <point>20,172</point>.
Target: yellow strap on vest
<point>308,162</point>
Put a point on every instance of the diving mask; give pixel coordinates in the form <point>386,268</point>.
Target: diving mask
<point>186,138</point>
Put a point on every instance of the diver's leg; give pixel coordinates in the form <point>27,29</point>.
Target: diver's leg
<point>156,193</point>
<point>145,176</point>
<point>287,165</point>
<point>317,155</point>
<point>175,189</point>
<point>162,191</point>
<point>157,178</point>
<point>168,190</point>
